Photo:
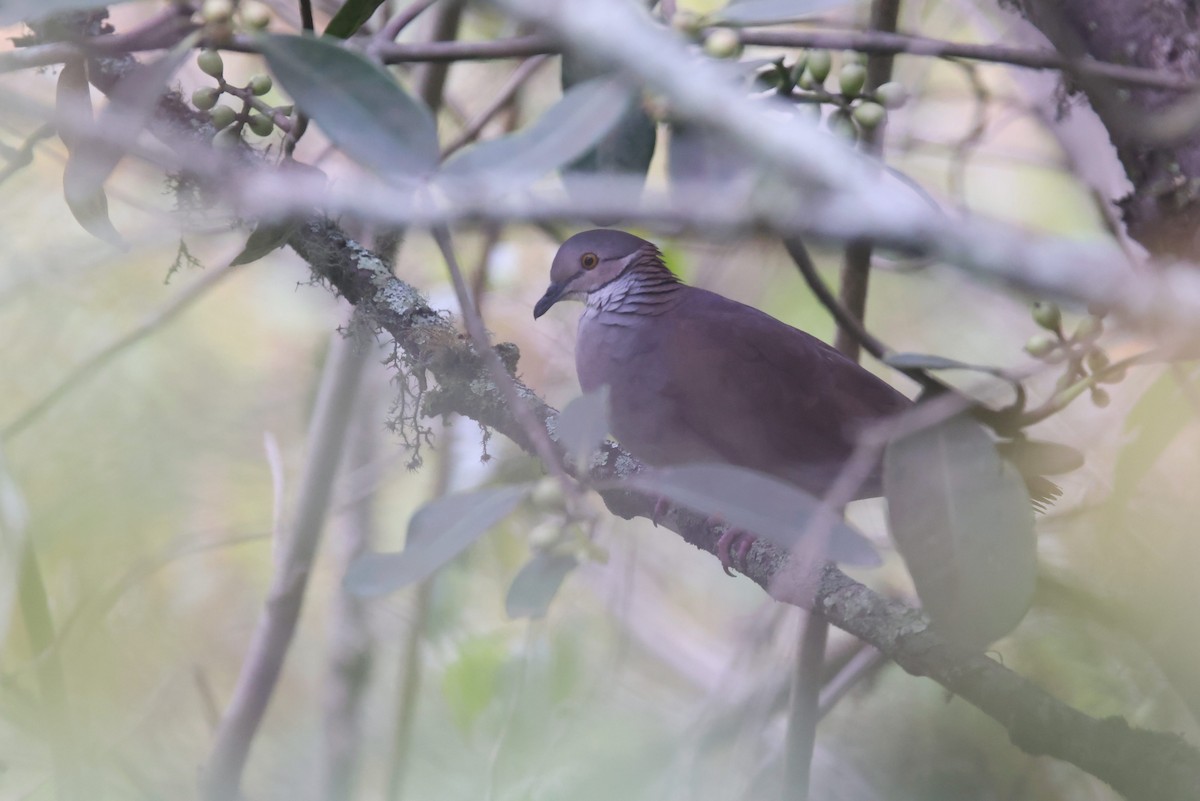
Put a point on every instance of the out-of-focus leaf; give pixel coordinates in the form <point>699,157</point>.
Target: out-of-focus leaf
<point>583,425</point>
<point>469,682</point>
<point>763,12</point>
<point>1034,457</point>
<point>357,104</point>
<point>1153,423</point>
<point>961,518</point>
<point>350,17</point>
<point>697,155</point>
<point>14,522</point>
<point>925,361</point>
<point>625,151</point>
<point>94,157</point>
<point>438,532</point>
<point>754,502</point>
<point>264,239</point>
<point>583,116</point>
<point>536,584</point>
<point>19,10</point>
<point>73,113</point>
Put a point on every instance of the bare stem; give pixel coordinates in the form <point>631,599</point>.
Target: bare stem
<point>296,550</point>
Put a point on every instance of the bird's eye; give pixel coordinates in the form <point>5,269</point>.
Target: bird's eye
<point>589,260</point>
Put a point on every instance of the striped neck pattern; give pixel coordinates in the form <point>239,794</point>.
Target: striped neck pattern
<point>646,287</point>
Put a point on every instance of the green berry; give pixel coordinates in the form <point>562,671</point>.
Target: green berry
<point>1097,360</point>
<point>210,63</point>
<point>852,78</point>
<point>222,117</point>
<point>1047,315</point>
<point>892,94</point>
<point>217,11</point>
<point>205,98</point>
<point>806,81</point>
<point>261,124</point>
<point>254,15</point>
<point>1115,376</point>
<point>689,23</point>
<point>1040,346</point>
<point>227,139</point>
<point>840,124</point>
<point>260,85</point>
<point>798,66</point>
<point>547,494</point>
<point>869,115</point>
<point>723,43</point>
<point>1089,328</point>
<point>1100,397</point>
<point>819,65</point>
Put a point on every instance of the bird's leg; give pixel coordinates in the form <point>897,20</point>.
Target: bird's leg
<point>732,547</point>
<point>660,508</point>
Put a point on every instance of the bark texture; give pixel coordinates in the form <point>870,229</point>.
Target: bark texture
<point>1154,130</point>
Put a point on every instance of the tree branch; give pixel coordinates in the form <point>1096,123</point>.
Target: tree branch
<point>1140,764</point>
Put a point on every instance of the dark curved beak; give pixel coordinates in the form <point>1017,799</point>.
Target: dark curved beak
<point>554,293</point>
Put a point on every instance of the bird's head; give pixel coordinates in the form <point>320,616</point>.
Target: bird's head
<point>588,262</point>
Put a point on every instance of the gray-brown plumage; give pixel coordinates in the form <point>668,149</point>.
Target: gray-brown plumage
<point>696,377</point>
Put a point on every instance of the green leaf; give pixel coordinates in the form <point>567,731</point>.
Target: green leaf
<point>962,520</point>
<point>350,17</point>
<point>1033,457</point>
<point>1153,423</point>
<point>626,150</point>
<point>536,584</point>
<point>753,502</point>
<point>357,104</point>
<point>469,683</point>
<point>73,112</point>
<point>95,154</point>
<point>574,124</point>
<point>438,532</point>
<point>764,12</point>
<point>264,239</point>
<point>583,426</point>
<point>925,361</point>
<point>20,10</point>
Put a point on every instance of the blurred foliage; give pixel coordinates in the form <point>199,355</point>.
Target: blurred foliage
<point>651,677</point>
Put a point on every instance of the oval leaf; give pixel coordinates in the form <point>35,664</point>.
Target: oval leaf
<point>754,502</point>
<point>357,104</point>
<point>962,520</point>
<point>763,12</point>
<point>264,239</point>
<point>583,426</point>
<point>438,532</point>
<point>72,119</point>
<point>536,584</point>
<point>570,127</point>
<point>350,17</point>
<point>926,361</point>
<point>1153,423</point>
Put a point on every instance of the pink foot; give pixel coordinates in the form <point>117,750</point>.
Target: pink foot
<point>660,508</point>
<point>739,543</point>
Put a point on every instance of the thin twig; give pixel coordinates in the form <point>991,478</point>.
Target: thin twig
<point>861,666</point>
<point>503,97</point>
<point>22,156</point>
<point>92,364</point>
<point>887,43</point>
<point>295,553</point>
<point>391,29</point>
<point>536,433</point>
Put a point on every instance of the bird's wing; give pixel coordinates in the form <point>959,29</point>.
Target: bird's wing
<point>768,396</point>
